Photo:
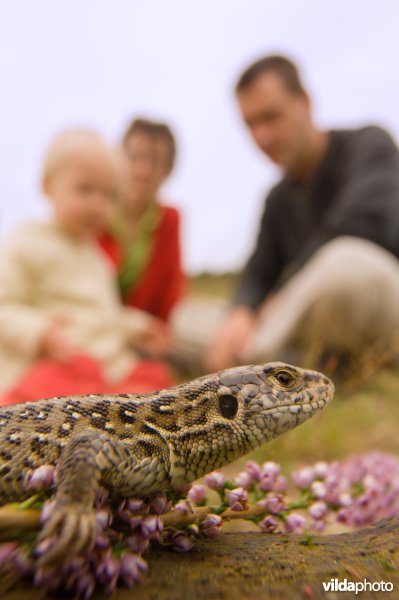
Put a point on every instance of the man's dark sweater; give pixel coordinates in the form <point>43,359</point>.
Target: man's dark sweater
<point>355,192</point>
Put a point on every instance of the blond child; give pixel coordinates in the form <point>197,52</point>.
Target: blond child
<point>62,328</point>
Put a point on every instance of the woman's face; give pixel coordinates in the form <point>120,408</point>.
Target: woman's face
<point>147,167</point>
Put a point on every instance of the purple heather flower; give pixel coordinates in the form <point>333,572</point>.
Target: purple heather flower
<point>237,499</point>
<point>103,518</point>
<point>107,571</point>
<point>395,482</point>
<point>133,522</point>
<point>183,505</point>
<point>364,500</point>
<point>345,515</point>
<point>102,540</point>
<point>267,482</point>
<point>372,484</point>
<point>134,504</point>
<point>318,510</point>
<point>7,551</point>
<point>331,482</point>
<point>212,520</point>
<point>215,480</point>
<point>270,468</point>
<point>320,469</point>
<point>294,523</point>
<point>302,478</point>
<point>319,525</point>
<point>160,504</point>
<point>274,503</point>
<point>243,480</point>
<point>318,489</point>
<point>131,567</point>
<point>151,526</point>
<point>181,542</point>
<point>211,526</point>
<point>138,543</point>
<point>197,494</point>
<point>268,524</point>
<point>345,499</point>
<point>41,478</point>
<point>281,484</point>
<point>254,469</point>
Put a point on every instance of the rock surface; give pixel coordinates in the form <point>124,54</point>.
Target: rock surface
<point>255,566</point>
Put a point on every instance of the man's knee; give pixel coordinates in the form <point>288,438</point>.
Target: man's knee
<point>354,285</point>
<point>349,262</point>
<point>360,294</point>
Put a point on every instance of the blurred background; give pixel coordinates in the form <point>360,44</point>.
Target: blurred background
<point>99,63</point>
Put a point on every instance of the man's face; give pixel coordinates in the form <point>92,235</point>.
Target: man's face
<point>279,120</point>
<point>147,166</point>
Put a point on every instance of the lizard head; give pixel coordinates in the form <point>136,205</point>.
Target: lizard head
<point>267,400</point>
<point>225,415</point>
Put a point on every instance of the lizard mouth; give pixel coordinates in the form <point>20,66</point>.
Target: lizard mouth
<point>305,407</point>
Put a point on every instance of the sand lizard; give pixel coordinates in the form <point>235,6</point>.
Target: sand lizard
<point>137,444</point>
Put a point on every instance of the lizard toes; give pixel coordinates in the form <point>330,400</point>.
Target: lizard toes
<point>87,530</point>
<point>69,530</point>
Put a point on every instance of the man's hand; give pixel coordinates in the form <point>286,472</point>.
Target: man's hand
<point>230,340</point>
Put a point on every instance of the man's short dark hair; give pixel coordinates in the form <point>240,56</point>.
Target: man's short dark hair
<point>154,130</point>
<point>280,65</point>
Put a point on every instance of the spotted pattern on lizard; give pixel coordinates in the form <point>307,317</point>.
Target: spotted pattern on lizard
<point>138,444</point>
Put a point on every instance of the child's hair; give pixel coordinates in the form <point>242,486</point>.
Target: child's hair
<point>73,143</point>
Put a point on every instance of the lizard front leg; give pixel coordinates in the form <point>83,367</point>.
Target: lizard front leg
<point>90,458</point>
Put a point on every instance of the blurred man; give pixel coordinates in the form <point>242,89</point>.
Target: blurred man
<point>325,263</point>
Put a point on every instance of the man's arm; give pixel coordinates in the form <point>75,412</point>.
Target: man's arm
<point>230,339</point>
<point>260,274</point>
<point>265,264</point>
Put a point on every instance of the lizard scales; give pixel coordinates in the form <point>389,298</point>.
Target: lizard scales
<point>137,444</point>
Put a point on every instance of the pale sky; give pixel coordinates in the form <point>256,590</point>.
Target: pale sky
<point>99,63</point>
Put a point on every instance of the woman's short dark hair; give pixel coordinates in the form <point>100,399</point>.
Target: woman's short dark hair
<point>154,130</point>
<point>282,66</point>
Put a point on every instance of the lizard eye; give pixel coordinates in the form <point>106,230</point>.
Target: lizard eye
<point>283,377</point>
<point>228,406</point>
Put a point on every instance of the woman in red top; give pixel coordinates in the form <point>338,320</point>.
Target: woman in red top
<point>144,243</point>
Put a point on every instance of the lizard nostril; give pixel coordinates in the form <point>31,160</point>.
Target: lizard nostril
<point>325,380</point>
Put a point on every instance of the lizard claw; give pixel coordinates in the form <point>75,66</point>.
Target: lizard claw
<point>70,529</point>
